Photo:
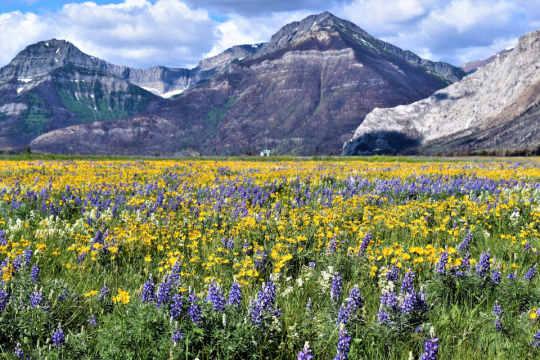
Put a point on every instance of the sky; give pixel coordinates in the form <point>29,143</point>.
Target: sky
<point>179,33</point>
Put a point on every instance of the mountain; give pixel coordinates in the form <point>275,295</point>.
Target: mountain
<point>473,66</point>
<point>168,82</point>
<point>303,93</point>
<point>495,107</point>
<point>52,84</point>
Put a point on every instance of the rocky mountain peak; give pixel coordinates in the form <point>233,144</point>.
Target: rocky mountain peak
<point>325,26</point>
<point>38,59</point>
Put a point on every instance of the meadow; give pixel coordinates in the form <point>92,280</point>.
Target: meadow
<point>221,259</point>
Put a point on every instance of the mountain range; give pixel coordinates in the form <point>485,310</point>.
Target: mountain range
<point>303,92</point>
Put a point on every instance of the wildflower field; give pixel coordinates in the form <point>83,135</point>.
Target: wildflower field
<point>269,260</point>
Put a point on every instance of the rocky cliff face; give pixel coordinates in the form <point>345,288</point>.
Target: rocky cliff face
<point>303,93</point>
<point>496,107</point>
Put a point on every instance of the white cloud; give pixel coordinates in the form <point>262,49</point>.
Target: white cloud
<point>144,33</point>
<point>240,30</point>
<point>451,30</point>
<point>135,33</point>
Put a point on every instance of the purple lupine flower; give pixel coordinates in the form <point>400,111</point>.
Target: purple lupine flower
<point>255,312</point>
<point>92,321</point>
<point>305,353</point>
<point>344,345</point>
<point>235,294</point>
<point>332,246</point>
<point>19,353</point>
<point>365,243</point>
<point>194,310</point>
<point>343,314</point>
<point>530,274</point>
<point>103,292</point>
<point>313,265</point>
<point>174,274</point>
<point>393,274</point>
<point>357,301</point>
<point>496,277</point>
<point>147,292</point>
<point>265,300</point>
<point>465,263</point>
<point>227,244</point>
<point>309,304</point>
<point>497,310</point>
<point>34,275</point>
<point>163,292</point>
<point>4,299</point>
<point>413,302</point>
<point>465,244</point>
<point>58,338</point>
<point>63,295</point>
<point>389,300</point>
<point>17,263</point>
<point>511,276</point>
<point>431,349</point>
<point>267,297</point>
<point>81,257</point>
<point>483,265</point>
<point>245,247</point>
<point>407,285</point>
<point>3,240</point>
<point>36,298</point>
<point>260,259</point>
<point>536,340</point>
<point>527,246</point>
<point>216,297</point>
<point>443,260</point>
<point>382,316</point>
<point>177,335</point>
<point>337,287</point>
<point>418,329</point>
<point>176,306</point>
<point>28,256</point>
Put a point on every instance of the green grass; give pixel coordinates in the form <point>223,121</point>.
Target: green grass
<point>36,115</point>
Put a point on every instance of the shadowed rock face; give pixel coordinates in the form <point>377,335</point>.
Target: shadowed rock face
<point>496,107</point>
<point>304,93</point>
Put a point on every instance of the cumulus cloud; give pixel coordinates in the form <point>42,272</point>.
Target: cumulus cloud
<point>135,33</point>
<point>178,33</point>
<point>238,30</point>
<point>455,31</point>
